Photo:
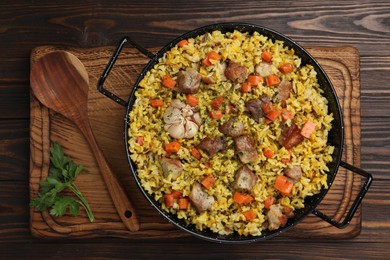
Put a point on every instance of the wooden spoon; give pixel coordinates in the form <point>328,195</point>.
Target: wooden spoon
<point>60,82</point>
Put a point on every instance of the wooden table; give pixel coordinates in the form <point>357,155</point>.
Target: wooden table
<point>24,26</point>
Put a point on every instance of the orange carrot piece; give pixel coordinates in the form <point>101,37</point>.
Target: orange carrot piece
<point>212,55</point>
<point>192,100</point>
<point>182,43</point>
<point>249,215</point>
<point>242,198</point>
<point>272,80</point>
<point>270,111</point>
<point>156,102</point>
<point>246,88</point>
<point>217,102</point>
<point>216,114</point>
<point>183,203</point>
<point>208,165</point>
<point>169,200</point>
<point>308,128</point>
<point>172,147</point>
<point>269,202</point>
<point>266,56</point>
<point>168,81</point>
<point>286,114</point>
<point>140,140</point>
<point>208,181</point>
<point>254,80</point>
<point>176,194</point>
<point>268,153</point>
<point>286,67</point>
<point>195,152</point>
<point>283,185</point>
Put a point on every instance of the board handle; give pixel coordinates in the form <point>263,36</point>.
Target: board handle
<point>355,204</point>
<point>106,72</point>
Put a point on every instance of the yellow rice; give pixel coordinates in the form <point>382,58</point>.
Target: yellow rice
<point>306,102</point>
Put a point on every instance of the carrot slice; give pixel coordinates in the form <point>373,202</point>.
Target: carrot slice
<point>169,200</point>
<point>246,88</point>
<point>208,181</point>
<point>272,80</point>
<point>283,185</point>
<point>308,128</point>
<point>172,147</point>
<point>254,80</point>
<point>249,215</point>
<point>168,82</point>
<point>183,203</point>
<point>140,140</point>
<point>195,152</point>
<point>216,114</point>
<point>176,194</point>
<point>156,102</point>
<point>182,43</point>
<point>266,56</point>
<point>268,153</point>
<point>286,68</point>
<point>212,55</point>
<point>192,100</point>
<point>217,102</point>
<point>242,198</point>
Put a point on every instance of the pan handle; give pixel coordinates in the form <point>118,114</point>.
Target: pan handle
<point>355,204</point>
<point>103,77</point>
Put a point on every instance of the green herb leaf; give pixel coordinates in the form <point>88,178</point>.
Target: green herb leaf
<point>62,173</point>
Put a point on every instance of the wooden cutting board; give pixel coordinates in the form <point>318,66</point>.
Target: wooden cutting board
<point>107,120</point>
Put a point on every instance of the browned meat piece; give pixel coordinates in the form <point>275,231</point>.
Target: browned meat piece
<point>200,199</point>
<point>276,218</point>
<point>248,156</point>
<point>246,148</point>
<point>171,167</point>
<point>244,143</point>
<point>254,107</point>
<point>291,137</point>
<point>295,173</point>
<point>188,81</point>
<point>212,146</point>
<point>232,128</point>
<point>244,179</point>
<point>284,90</point>
<point>235,72</point>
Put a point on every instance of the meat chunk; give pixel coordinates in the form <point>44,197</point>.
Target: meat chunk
<point>212,146</point>
<point>172,167</point>
<point>291,137</point>
<point>284,90</point>
<point>276,218</point>
<point>294,173</point>
<point>254,107</point>
<point>236,72</point>
<point>200,199</point>
<point>188,81</point>
<point>246,148</point>
<point>244,143</point>
<point>244,180</point>
<point>232,128</point>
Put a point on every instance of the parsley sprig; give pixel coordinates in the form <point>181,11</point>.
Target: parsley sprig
<point>63,171</point>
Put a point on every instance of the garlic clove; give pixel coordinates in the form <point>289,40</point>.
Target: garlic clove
<point>177,130</point>
<point>172,115</point>
<point>190,129</point>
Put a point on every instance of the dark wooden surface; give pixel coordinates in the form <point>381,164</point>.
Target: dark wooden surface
<point>27,24</point>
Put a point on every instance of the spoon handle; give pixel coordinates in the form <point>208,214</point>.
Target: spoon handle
<point>118,195</point>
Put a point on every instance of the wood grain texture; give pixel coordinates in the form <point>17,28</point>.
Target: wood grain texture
<point>25,25</point>
<point>342,64</point>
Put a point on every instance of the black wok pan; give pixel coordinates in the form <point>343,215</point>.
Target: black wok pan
<point>336,135</point>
